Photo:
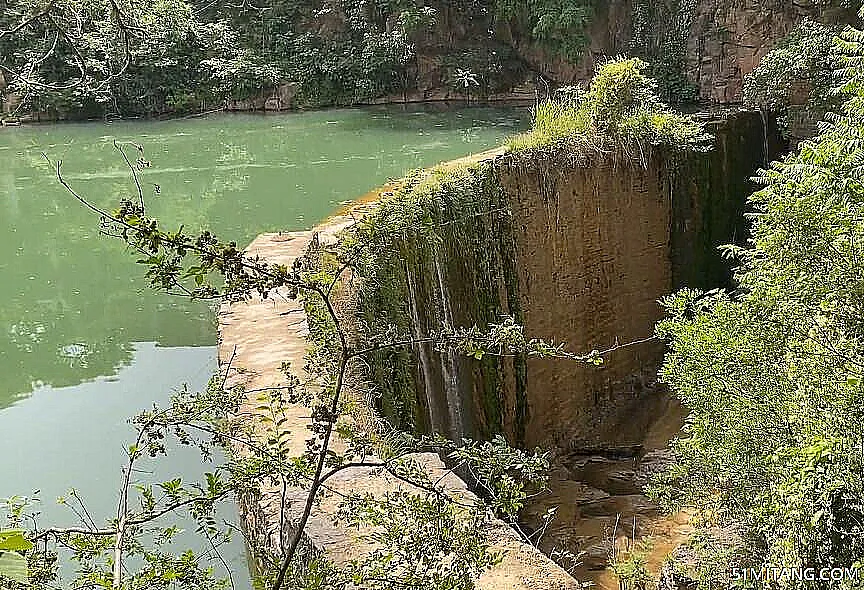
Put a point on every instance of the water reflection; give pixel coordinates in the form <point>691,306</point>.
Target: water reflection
<point>72,306</point>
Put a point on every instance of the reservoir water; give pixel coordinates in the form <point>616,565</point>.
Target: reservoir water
<point>84,344</point>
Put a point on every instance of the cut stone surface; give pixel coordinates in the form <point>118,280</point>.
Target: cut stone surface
<point>256,337</point>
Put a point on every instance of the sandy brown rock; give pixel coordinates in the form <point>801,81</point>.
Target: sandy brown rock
<point>256,337</point>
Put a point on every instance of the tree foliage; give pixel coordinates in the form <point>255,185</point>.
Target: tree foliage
<point>772,372</point>
<point>13,564</point>
<point>120,58</point>
<point>130,57</point>
<point>798,70</point>
<point>557,25</point>
<point>76,56</point>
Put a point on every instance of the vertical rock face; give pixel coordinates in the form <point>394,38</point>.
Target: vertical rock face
<point>710,44</point>
<point>458,274</point>
<point>592,245</point>
<point>578,250</point>
<point>728,38</point>
<point>597,244</point>
<point>710,197</point>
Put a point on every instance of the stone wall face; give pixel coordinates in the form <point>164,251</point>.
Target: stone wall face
<point>728,38</point>
<point>597,244</point>
<point>578,251</point>
<point>719,42</point>
<point>593,245</point>
<point>710,193</point>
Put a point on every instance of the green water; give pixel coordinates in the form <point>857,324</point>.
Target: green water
<point>83,343</point>
<point>72,304</point>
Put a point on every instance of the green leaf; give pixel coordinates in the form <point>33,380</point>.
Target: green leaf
<point>13,540</point>
<point>14,566</point>
<point>816,517</point>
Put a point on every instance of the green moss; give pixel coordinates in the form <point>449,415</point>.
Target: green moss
<point>710,200</point>
<point>434,244</point>
<point>507,253</point>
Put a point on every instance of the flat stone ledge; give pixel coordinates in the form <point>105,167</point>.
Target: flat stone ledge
<point>256,337</point>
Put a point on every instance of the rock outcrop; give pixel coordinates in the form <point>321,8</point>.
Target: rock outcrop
<point>711,44</point>
<point>256,338</point>
<point>578,250</point>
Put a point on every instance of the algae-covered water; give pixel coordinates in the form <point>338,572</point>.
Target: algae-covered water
<point>84,344</point>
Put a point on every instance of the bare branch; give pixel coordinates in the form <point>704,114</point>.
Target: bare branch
<point>27,22</point>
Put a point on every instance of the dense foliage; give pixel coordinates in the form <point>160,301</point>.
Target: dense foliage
<point>13,564</point>
<point>141,58</point>
<point>772,373</point>
<point>797,72</point>
<point>90,57</point>
<point>72,58</point>
<point>556,25</point>
<point>661,31</point>
<point>621,107</point>
<point>75,58</point>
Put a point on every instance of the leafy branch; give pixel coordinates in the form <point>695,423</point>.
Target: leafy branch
<point>201,266</point>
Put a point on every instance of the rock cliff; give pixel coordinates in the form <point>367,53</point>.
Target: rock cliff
<point>701,49</point>
<point>578,250</point>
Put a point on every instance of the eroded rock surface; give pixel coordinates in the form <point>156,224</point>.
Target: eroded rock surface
<point>256,337</point>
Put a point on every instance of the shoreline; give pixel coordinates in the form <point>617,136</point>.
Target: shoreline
<point>445,104</point>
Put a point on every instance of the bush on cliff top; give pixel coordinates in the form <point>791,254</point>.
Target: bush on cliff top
<point>621,108</point>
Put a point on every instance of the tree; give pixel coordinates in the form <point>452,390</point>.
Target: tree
<point>771,372</point>
<point>466,79</point>
<point>556,25</point>
<point>799,62</point>
<point>75,56</point>
<point>13,564</point>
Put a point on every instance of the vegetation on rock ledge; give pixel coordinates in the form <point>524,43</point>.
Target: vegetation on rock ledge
<point>620,109</point>
<point>797,74</point>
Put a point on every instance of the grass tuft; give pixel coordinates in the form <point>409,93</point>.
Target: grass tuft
<point>621,109</point>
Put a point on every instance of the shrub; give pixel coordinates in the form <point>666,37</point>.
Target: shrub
<point>620,108</point>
